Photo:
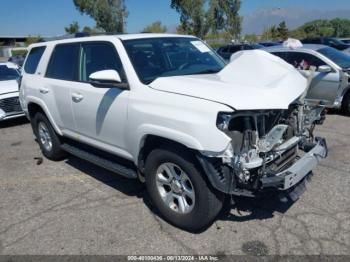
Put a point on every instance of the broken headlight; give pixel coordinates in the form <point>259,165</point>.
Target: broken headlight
<point>223,120</point>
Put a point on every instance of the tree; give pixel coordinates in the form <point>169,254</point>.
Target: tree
<point>232,21</point>
<point>155,27</point>
<point>270,34</point>
<point>220,15</point>
<point>215,16</point>
<point>297,34</point>
<point>282,31</point>
<point>192,16</point>
<point>72,28</point>
<point>92,30</point>
<point>251,38</point>
<point>32,40</point>
<point>318,28</point>
<point>110,15</point>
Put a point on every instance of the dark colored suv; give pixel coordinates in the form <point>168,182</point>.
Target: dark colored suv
<point>226,51</point>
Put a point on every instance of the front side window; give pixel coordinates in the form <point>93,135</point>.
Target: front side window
<point>303,61</point>
<point>97,56</point>
<point>171,56</point>
<point>7,73</point>
<point>34,59</point>
<point>63,64</point>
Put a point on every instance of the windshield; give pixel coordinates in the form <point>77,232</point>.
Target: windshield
<point>7,73</point>
<point>341,59</point>
<point>171,56</point>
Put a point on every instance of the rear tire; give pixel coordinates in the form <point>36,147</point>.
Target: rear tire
<point>346,104</point>
<point>47,138</point>
<point>179,190</point>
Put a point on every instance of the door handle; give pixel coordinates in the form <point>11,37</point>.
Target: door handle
<point>43,90</point>
<point>77,97</point>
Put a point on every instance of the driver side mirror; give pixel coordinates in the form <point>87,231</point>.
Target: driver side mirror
<point>106,79</point>
<point>324,69</point>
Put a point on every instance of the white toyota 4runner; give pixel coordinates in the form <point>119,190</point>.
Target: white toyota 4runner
<point>167,110</point>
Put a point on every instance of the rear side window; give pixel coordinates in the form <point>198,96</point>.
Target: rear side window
<point>33,59</point>
<point>63,63</point>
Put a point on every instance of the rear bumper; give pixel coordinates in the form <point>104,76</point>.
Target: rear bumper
<point>299,170</point>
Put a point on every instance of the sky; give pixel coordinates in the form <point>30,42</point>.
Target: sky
<point>49,17</point>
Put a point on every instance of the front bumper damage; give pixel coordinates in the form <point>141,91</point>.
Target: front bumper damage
<point>289,181</point>
<point>269,152</point>
<point>299,170</point>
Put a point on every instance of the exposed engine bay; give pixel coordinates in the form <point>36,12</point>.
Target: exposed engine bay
<point>264,144</point>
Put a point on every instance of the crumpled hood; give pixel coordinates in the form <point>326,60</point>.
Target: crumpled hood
<point>252,80</point>
<point>8,86</point>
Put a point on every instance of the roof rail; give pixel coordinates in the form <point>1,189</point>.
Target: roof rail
<point>68,36</point>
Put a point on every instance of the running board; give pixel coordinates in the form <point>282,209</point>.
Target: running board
<point>100,161</point>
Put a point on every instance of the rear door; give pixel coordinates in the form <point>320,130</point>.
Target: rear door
<point>100,113</point>
<point>31,74</point>
<point>61,75</point>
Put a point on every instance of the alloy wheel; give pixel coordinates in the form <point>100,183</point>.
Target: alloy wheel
<point>175,188</point>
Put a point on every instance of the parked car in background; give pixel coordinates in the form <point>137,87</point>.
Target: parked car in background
<point>268,44</point>
<point>329,41</point>
<point>17,59</point>
<point>226,51</point>
<point>168,110</point>
<point>9,93</point>
<point>331,79</point>
<point>345,40</point>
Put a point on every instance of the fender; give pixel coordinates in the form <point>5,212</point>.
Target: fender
<point>148,129</point>
<point>39,102</point>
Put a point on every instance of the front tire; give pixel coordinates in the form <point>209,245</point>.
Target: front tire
<point>47,138</point>
<point>179,190</point>
<point>346,104</point>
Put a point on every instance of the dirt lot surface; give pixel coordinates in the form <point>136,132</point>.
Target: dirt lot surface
<point>73,207</point>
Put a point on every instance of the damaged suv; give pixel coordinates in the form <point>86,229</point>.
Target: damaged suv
<point>166,109</point>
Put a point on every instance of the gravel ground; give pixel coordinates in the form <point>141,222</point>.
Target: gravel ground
<point>73,207</point>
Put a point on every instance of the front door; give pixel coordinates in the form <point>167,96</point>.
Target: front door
<point>324,86</point>
<point>100,113</point>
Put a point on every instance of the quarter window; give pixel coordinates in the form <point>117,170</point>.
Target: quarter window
<point>63,64</point>
<point>33,59</point>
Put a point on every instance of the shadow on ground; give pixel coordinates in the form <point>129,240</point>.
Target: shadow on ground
<point>243,209</point>
<point>13,122</point>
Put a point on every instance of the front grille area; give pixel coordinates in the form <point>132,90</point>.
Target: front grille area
<point>10,105</point>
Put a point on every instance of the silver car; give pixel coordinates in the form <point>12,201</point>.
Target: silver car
<point>330,82</point>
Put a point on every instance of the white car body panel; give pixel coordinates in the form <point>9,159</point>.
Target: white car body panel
<point>9,86</point>
<point>268,83</point>
<point>183,109</point>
